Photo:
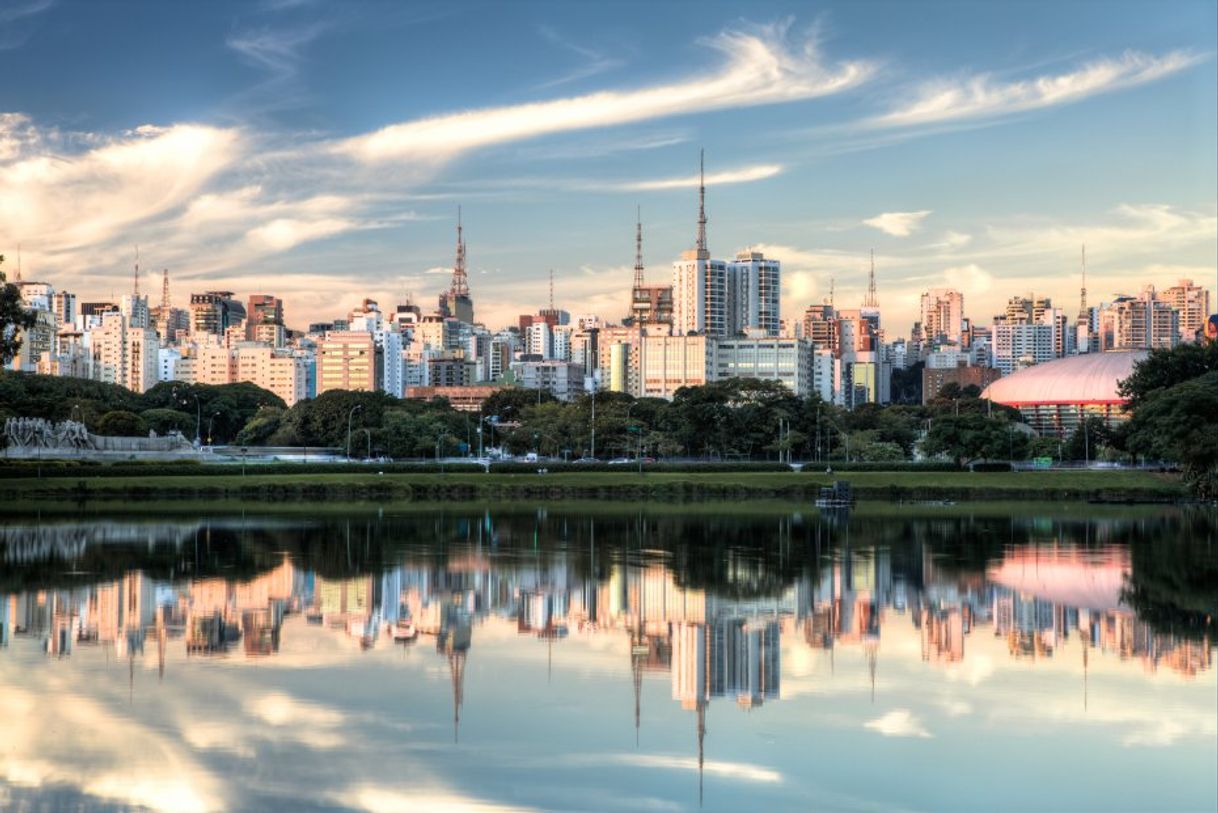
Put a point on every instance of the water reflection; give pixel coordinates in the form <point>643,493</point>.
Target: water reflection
<point>719,608</point>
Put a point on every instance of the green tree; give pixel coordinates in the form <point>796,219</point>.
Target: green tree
<point>121,423</point>
<point>509,403</point>
<point>1180,424</point>
<point>971,436</point>
<point>164,421</point>
<point>1164,368</point>
<point>14,318</point>
<point>1088,440</point>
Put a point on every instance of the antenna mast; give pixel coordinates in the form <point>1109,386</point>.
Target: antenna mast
<point>871,301</point>
<point>460,283</point>
<point>135,288</point>
<point>551,290</point>
<point>638,250</point>
<point>165,290</point>
<point>1082,298</point>
<point>703,254</point>
<point>18,263</point>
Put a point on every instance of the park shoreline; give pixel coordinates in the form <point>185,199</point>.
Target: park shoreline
<point>1091,486</point>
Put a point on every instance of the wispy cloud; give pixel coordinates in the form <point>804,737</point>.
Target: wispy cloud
<point>277,52</point>
<point>17,22</point>
<point>898,224</point>
<point>762,67</point>
<point>982,96</point>
<point>756,172</point>
<point>594,62</point>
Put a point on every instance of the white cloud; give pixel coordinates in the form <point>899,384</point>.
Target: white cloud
<point>756,172</point>
<point>952,240</point>
<point>898,224</point>
<point>898,723</point>
<point>982,97</point>
<point>761,68</point>
<point>971,278</point>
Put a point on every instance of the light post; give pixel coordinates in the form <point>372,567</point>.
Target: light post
<point>351,414</point>
<point>211,422</point>
<point>479,435</point>
<point>592,453</point>
<point>368,434</point>
<point>198,412</point>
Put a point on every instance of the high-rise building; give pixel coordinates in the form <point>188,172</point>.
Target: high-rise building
<point>124,355</point>
<point>214,312</point>
<point>346,360</point>
<point>264,320</point>
<point>668,363</point>
<point>942,316</point>
<point>1192,303</point>
<point>279,371</point>
<point>755,285</point>
<point>1143,322</point>
<point>787,360</point>
<point>820,327</point>
<point>1021,344</point>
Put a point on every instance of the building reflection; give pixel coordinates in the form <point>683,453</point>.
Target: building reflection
<point>1034,597</point>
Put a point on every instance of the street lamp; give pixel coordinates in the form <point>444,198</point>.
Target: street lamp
<point>211,421</point>
<point>198,411</point>
<point>592,452</point>
<point>368,433</point>
<point>350,415</point>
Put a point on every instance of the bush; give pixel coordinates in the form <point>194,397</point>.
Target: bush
<point>886,465</point>
<point>123,424</point>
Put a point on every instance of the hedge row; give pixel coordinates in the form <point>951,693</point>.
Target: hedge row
<point>19,469</point>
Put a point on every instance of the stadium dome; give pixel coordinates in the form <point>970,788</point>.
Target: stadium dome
<point>1054,395</point>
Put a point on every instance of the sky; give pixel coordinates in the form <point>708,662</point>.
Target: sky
<point>319,151</point>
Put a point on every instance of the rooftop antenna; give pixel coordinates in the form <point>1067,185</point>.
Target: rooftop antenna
<point>703,254</point>
<point>135,288</point>
<point>871,301</point>
<point>831,281</point>
<point>165,290</point>
<point>18,263</point>
<point>460,283</point>
<point>1082,298</point>
<point>638,249</point>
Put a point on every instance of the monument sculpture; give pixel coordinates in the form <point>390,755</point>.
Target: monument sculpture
<point>38,435</point>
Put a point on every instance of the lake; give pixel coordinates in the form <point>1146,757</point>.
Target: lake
<point>583,656</point>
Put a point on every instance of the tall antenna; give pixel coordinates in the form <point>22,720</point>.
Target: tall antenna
<point>135,288</point>
<point>460,283</point>
<point>1082,298</point>
<point>831,281</point>
<point>703,254</point>
<point>551,290</point>
<point>18,263</point>
<point>638,250</point>
<point>871,301</point>
<point>165,290</point>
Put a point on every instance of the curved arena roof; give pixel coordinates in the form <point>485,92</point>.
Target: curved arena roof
<point>1089,378</point>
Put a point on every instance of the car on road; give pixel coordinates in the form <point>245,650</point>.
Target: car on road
<point>585,460</point>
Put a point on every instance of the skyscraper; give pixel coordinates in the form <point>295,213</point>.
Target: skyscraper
<point>942,315</point>
<point>754,293</point>
<point>699,284</point>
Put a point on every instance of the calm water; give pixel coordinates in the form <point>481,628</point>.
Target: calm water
<point>576,658</point>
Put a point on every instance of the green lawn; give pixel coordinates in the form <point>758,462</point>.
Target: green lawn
<point>612,485</point>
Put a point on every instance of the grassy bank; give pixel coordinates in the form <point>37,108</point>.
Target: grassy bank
<point>1037,485</point>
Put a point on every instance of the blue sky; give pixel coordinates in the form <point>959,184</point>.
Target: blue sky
<point>319,151</point>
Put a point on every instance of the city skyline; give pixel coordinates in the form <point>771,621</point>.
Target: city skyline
<point>301,168</point>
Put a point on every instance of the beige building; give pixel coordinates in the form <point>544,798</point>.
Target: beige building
<point>124,355</point>
<point>1192,303</point>
<point>942,315</point>
<point>282,373</point>
<point>671,362</point>
<point>346,360</point>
